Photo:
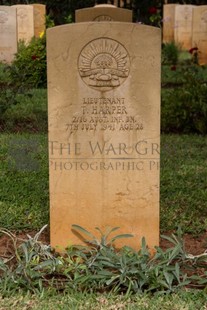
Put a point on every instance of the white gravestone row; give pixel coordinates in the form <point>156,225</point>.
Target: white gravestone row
<point>186,25</point>
<point>19,23</point>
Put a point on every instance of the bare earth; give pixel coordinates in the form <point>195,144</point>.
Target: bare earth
<point>193,245</point>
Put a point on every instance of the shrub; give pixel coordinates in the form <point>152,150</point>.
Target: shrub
<point>170,53</point>
<point>28,114</point>
<point>7,90</point>
<point>29,66</point>
<point>184,108</point>
<point>100,267</point>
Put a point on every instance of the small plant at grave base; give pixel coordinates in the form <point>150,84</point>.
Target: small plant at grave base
<point>27,266</point>
<point>100,267</point>
<point>103,242</point>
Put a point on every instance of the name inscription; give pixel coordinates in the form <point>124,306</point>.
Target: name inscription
<point>104,114</point>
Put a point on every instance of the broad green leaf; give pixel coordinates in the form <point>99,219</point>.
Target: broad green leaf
<point>83,230</point>
<point>121,236</point>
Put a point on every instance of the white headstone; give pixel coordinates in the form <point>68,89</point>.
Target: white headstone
<point>183,25</point>
<point>25,22</point>
<point>8,33</point>
<point>200,32</point>
<point>104,130</point>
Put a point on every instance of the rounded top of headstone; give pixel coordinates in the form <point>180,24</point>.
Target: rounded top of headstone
<point>104,6</point>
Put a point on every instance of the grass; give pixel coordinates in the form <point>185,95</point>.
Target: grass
<point>183,182</point>
<point>24,199</point>
<point>186,300</point>
<point>29,113</point>
<point>23,181</point>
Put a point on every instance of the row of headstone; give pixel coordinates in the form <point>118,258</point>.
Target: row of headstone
<point>186,25</point>
<point>104,127</point>
<point>104,12</point>
<point>120,3</point>
<point>19,22</point>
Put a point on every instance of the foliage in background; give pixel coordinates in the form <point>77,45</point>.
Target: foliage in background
<point>184,108</point>
<point>24,197</point>
<point>19,109</point>
<point>147,11</point>
<point>8,90</point>
<point>29,65</point>
<point>22,109</point>
<point>99,267</point>
<point>29,114</point>
<point>170,53</point>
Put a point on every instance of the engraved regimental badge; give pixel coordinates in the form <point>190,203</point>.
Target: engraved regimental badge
<point>103,18</point>
<point>104,64</point>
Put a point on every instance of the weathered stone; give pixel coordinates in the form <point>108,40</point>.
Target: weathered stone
<point>39,19</point>
<point>103,12</point>
<point>25,22</point>
<point>183,25</point>
<point>168,22</point>
<point>104,130</point>
<point>8,33</point>
<point>200,32</point>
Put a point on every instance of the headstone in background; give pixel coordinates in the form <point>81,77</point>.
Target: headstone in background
<point>200,32</point>
<point>183,25</point>
<point>120,3</point>
<point>168,22</point>
<point>39,19</point>
<point>8,33</point>
<point>103,12</point>
<point>25,22</point>
<point>104,130</point>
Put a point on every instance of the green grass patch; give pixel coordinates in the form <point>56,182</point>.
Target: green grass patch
<point>29,113</point>
<point>23,181</point>
<point>185,300</point>
<point>24,198</point>
<point>183,182</point>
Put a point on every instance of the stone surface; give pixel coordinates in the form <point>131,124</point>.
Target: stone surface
<point>168,22</point>
<point>8,33</point>
<point>25,22</point>
<point>183,25</point>
<point>200,32</point>
<point>103,12</point>
<point>104,130</point>
<point>39,19</point>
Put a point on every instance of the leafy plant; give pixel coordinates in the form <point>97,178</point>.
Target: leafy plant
<point>105,268</point>
<point>27,267</point>
<point>98,267</point>
<point>170,53</point>
<point>184,108</point>
<point>29,65</point>
<point>103,242</point>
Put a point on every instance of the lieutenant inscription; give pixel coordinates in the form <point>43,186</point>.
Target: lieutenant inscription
<point>104,114</point>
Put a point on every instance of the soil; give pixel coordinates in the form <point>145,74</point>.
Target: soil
<point>193,245</point>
